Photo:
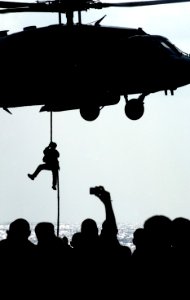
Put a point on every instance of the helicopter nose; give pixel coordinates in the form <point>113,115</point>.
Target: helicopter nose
<point>180,71</point>
<point>185,69</point>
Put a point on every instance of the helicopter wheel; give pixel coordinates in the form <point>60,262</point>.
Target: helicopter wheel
<point>90,114</point>
<point>134,109</point>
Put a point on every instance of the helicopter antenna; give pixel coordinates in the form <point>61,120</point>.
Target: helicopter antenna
<point>97,23</point>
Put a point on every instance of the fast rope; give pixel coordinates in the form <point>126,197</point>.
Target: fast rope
<point>58,193</point>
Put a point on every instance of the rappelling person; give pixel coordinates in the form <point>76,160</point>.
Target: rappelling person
<point>51,163</point>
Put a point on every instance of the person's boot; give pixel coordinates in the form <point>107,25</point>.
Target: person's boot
<point>31,176</point>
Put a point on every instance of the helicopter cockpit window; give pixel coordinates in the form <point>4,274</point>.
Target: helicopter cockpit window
<point>171,48</point>
<point>150,46</point>
<point>167,44</point>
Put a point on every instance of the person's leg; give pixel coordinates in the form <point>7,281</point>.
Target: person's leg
<point>55,177</point>
<point>38,170</point>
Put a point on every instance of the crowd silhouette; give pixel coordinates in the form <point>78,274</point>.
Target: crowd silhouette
<point>95,264</point>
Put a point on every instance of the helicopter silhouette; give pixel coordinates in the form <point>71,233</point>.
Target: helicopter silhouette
<point>87,67</point>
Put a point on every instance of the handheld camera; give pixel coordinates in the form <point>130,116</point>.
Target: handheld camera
<point>96,190</point>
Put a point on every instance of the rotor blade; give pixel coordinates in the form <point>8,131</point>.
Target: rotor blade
<point>6,4</point>
<point>137,3</point>
<point>31,7</point>
<point>49,6</point>
<point>25,9</point>
<point>58,6</point>
<point>62,6</point>
<point>15,10</point>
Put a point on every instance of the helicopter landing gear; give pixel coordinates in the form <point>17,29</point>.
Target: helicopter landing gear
<point>90,113</point>
<point>134,109</point>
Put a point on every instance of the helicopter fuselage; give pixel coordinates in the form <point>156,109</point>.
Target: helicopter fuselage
<point>72,67</point>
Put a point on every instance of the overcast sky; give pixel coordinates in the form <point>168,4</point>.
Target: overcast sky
<point>145,164</point>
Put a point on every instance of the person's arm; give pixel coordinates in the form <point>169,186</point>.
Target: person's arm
<point>46,150</point>
<point>57,154</point>
<point>105,198</point>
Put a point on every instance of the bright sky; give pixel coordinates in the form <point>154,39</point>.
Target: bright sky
<point>145,164</point>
